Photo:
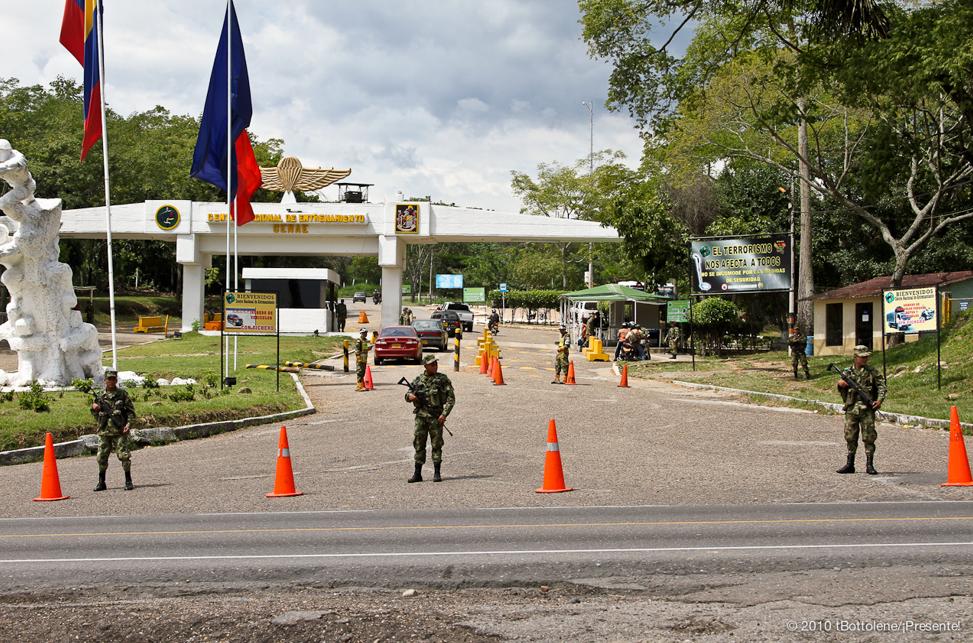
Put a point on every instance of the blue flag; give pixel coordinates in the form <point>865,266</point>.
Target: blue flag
<point>209,159</point>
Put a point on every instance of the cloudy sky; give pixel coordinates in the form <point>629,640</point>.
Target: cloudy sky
<point>422,96</point>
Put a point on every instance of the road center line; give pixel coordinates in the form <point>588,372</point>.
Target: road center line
<point>503,552</point>
<point>487,526</point>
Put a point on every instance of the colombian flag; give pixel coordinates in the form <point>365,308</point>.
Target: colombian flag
<point>209,157</point>
<point>79,35</point>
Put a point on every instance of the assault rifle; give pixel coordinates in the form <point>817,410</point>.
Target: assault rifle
<point>858,388</point>
<point>420,397</point>
<point>108,408</point>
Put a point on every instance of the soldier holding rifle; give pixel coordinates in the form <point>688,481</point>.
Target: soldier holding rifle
<point>862,390</point>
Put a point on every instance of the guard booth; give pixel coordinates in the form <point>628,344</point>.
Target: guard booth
<point>305,296</point>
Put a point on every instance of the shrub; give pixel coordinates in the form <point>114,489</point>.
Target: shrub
<point>34,399</point>
<point>713,318</point>
<point>185,394</point>
<point>83,385</point>
<point>149,382</point>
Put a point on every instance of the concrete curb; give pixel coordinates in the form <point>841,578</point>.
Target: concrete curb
<point>892,418</point>
<point>157,436</point>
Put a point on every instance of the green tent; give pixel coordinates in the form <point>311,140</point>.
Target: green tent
<point>614,292</point>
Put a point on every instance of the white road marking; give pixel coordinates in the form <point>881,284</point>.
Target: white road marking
<point>501,552</point>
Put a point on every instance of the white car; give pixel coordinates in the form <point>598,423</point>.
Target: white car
<point>464,312</point>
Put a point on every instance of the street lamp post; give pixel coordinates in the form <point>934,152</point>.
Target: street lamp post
<point>591,170</point>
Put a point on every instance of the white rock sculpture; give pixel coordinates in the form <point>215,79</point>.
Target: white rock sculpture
<point>53,344</point>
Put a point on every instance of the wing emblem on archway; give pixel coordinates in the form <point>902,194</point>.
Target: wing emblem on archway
<point>291,176</point>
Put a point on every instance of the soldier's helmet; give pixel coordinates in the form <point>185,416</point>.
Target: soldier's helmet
<point>5,145</point>
<point>563,328</point>
<point>429,359</point>
<point>862,351</point>
<point>111,374</point>
<point>363,331</point>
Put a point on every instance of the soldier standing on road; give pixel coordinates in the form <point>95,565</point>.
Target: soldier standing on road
<point>341,312</point>
<point>672,339</point>
<point>361,358</point>
<point>859,416</point>
<point>798,343</point>
<point>114,411</point>
<point>433,399</point>
<point>561,359</point>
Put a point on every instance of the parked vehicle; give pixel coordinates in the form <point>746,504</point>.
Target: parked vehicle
<point>449,320</point>
<point>581,310</point>
<point>464,312</point>
<point>398,342</point>
<point>359,296</point>
<point>431,333</point>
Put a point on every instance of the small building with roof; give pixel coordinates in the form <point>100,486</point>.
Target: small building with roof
<point>848,316</point>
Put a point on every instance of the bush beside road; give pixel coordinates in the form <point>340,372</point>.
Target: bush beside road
<point>194,356</point>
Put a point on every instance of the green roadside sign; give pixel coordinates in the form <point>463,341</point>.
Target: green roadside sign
<point>406,289</point>
<point>474,295</point>
<point>677,310</point>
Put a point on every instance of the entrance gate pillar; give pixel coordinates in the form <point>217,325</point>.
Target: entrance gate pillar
<point>391,257</point>
<point>194,265</point>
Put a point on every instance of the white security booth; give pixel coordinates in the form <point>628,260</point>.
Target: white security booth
<point>305,296</point>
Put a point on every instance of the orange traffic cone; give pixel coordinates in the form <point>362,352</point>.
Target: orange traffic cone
<point>498,373</point>
<point>569,379</point>
<point>553,474</point>
<point>958,471</point>
<point>367,380</point>
<point>493,361</point>
<point>284,482</point>
<point>362,317</point>
<point>484,358</point>
<point>50,481</point>
<point>623,383</point>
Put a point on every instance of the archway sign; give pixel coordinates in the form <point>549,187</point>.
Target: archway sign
<point>384,230</point>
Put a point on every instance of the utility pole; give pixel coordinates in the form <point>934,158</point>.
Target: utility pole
<point>591,170</point>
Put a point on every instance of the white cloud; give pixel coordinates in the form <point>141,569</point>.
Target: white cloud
<point>420,96</point>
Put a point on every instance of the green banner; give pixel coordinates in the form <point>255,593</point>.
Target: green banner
<point>474,295</point>
<point>406,289</point>
<point>678,311</point>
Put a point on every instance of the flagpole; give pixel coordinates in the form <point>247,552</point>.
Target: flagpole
<point>104,148</point>
<point>229,158</point>
<point>230,146</point>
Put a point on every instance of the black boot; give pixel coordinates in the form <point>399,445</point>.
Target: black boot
<point>850,466</point>
<point>795,374</point>
<point>436,477</point>
<point>128,481</point>
<point>417,476</point>
<point>807,373</point>
<point>870,465</point>
<point>101,486</point>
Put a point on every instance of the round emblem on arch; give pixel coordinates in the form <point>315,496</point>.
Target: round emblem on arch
<point>167,218</point>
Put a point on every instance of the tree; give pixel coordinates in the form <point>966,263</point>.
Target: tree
<point>880,98</point>
<point>570,192</point>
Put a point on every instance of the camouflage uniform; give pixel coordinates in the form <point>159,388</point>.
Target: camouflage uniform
<point>672,339</point>
<point>116,411</point>
<point>438,398</point>
<point>361,360</point>
<point>341,313</point>
<point>859,417</point>
<point>798,343</point>
<point>561,359</point>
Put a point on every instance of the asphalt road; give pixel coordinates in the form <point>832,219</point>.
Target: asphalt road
<point>488,545</point>
<point>694,516</point>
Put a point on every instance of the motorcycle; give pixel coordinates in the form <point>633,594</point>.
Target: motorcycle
<point>377,298</point>
<point>494,327</point>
